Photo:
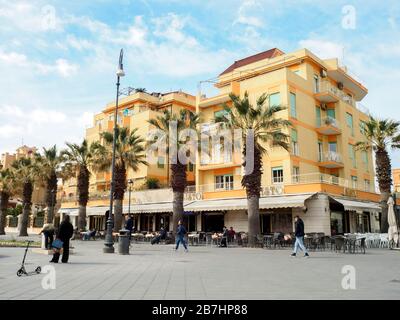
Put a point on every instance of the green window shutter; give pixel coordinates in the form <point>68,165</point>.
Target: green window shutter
<point>275,99</point>
<point>293,111</point>
<point>294,135</point>
<point>318,116</point>
<point>331,113</point>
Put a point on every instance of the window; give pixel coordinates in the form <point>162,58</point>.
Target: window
<point>331,113</point>
<point>367,185</point>
<point>354,182</point>
<point>362,127</point>
<point>293,113</point>
<point>333,147</point>
<point>277,175</point>
<point>160,162</point>
<point>364,156</point>
<point>349,121</point>
<point>320,151</point>
<point>275,99</point>
<point>318,115</point>
<point>224,182</point>
<point>220,113</point>
<point>296,174</point>
<point>316,83</point>
<point>295,144</point>
<point>352,155</point>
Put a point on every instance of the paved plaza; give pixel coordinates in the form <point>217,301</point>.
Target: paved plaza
<point>157,272</point>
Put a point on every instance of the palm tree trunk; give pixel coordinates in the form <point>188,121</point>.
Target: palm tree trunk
<point>178,184</point>
<point>117,214</point>
<point>83,192</point>
<point>82,218</point>
<point>27,202</point>
<point>23,231</point>
<point>4,197</point>
<point>385,208</point>
<point>51,196</point>
<point>254,219</point>
<point>384,176</point>
<point>177,209</point>
<point>252,183</point>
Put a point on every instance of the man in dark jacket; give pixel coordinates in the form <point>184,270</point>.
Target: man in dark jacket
<point>299,234</point>
<point>65,233</point>
<point>180,236</point>
<point>129,225</point>
<point>224,238</point>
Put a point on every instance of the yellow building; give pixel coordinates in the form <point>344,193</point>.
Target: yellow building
<point>396,180</point>
<point>134,112</point>
<point>322,178</point>
<point>38,196</point>
<point>322,101</point>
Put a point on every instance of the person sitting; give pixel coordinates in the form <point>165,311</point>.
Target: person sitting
<point>89,234</point>
<point>224,238</point>
<point>231,234</point>
<point>161,236</point>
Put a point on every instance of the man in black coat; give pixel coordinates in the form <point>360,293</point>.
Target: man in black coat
<point>129,225</point>
<point>299,234</point>
<point>65,233</point>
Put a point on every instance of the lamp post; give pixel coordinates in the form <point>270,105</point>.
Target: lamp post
<point>130,183</point>
<point>108,242</point>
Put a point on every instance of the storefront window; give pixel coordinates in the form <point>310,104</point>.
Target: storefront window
<point>336,223</point>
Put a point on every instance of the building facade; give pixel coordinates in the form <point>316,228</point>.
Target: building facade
<point>322,177</point>
<point>396,180</point>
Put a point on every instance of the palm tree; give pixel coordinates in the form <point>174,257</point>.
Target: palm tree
<point>381,135</point>
<point>262,125</point>
<point>7,189</point>
<point>129,154</point>
<point>185,119</point>
<point>49,166</point>
<point>78,159</point>
<point>26,173</point>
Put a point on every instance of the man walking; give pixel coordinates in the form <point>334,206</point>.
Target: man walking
<point>65,233</point>
<point>129,225</point>
<point>180,236</point>
<point>299,233</point>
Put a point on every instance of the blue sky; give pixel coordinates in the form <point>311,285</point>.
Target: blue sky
<point>58,58</point>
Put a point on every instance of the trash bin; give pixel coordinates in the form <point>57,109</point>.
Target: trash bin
<point>123,242</point>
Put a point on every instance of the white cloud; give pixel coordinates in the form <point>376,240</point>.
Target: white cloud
<point>323,49</point>
<point>61,66</point>
<point>250,13</point>
<point>40,127</point>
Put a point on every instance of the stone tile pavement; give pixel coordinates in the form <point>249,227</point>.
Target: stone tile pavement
<point>157,272</point>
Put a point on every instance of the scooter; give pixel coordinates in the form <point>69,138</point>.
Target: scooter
<point>22,270</point>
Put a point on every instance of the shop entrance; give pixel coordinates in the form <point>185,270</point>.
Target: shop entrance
<point>212,222</point>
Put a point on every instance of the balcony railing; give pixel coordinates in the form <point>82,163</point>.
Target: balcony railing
<point>329,126</point>
<point>329,121</point>
<point>331,156</point>
<point>330,93</point>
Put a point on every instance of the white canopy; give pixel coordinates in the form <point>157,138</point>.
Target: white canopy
<point>353,205</point>
<point>393,232</point>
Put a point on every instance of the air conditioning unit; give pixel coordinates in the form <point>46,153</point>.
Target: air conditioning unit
<point>340,86</point>
<point>324,74</point>
<point>324,106</point>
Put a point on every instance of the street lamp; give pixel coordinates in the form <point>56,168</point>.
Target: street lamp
<point>130,183</point>
<point>108,242</point>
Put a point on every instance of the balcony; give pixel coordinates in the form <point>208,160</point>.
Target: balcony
<point>331,160</point>
<point>329,127</point>
<point>328,93</point>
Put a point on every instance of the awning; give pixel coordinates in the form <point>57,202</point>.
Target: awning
<point>96,211</point>
<point>216,205</point>
<point>353,205</point>
<point>270,202</point>
<point>69,211</point>
<point>284,201</point>
<point>150,207</point>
